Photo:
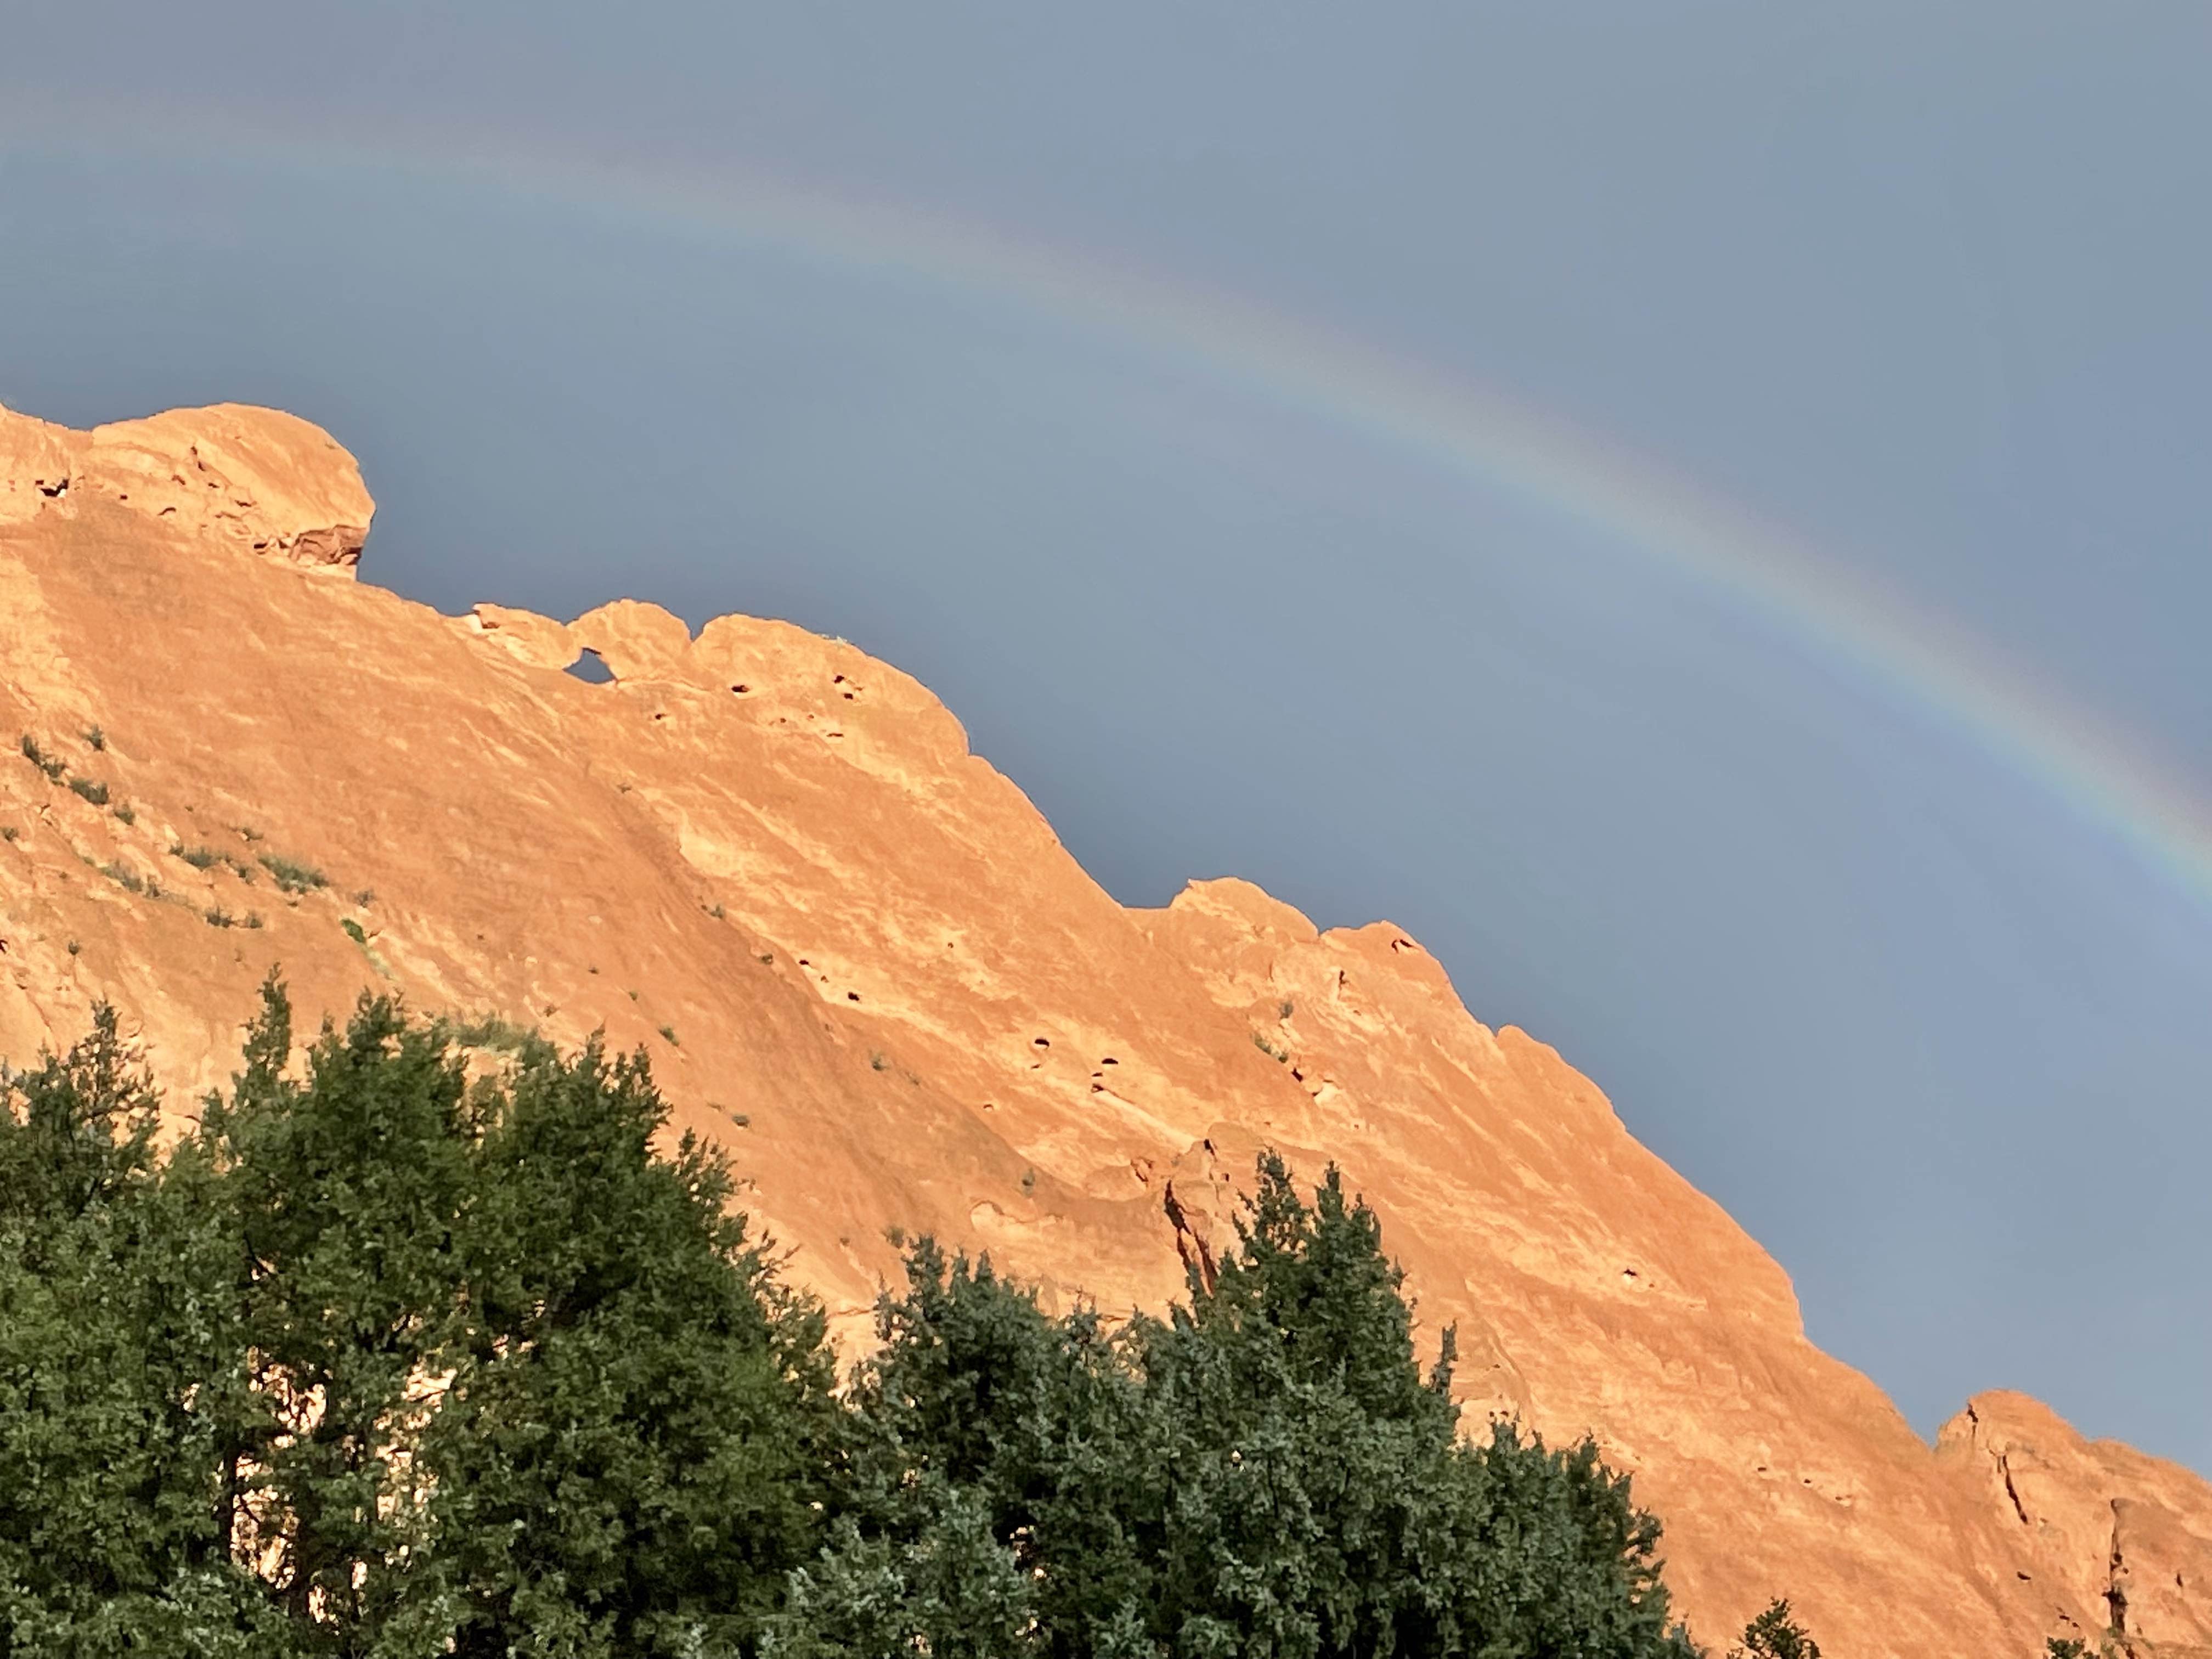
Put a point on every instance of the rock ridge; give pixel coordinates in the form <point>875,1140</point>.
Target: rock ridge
<point>265,481</point>
<point>864,965</point>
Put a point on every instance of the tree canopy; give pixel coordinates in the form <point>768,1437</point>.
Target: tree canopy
<point>1265,1472</point>
<point>381,1359</point>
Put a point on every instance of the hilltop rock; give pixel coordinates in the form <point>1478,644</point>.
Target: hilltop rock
<point>2128,1537</point>
<point>258,479</point>
<point>36,462</point>
<point>863,963</point>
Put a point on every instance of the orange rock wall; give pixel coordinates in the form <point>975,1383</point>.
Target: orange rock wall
<point>863,963</point>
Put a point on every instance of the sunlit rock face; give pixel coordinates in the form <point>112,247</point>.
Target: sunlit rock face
<point>256,479</point>
<point>863,965</point>
<point>2127,1537</point>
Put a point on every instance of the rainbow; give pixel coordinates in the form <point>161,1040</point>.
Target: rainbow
<point>2099,773</point>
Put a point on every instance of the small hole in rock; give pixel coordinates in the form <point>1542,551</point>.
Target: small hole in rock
<point>591,669</point>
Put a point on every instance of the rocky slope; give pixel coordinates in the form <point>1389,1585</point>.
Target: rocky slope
<point>863,963</point>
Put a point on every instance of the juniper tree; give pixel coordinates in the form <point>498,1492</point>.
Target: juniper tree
<point>1267,1472</point>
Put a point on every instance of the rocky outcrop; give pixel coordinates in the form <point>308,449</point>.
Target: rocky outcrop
<point>2101,1527</point>
<point>863,963</point>
<point>36,462</point>
<point>260,480</point>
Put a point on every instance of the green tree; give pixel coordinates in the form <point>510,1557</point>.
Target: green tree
<point>628,1458</point>
<point>1325,1503</point>
<point>344,1192</point>
<point>1775,1634</point>
<point>77,1131</point>
<point>112,1351</point>
<point>991,1478</point>
<point>382,1362</point>
<point>1267,1472</point>
<point>518,1383</point>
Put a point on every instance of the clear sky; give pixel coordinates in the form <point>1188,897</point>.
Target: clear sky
<point>1273,430</point>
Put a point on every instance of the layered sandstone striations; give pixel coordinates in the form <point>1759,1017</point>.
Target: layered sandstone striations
<point>862,963</point>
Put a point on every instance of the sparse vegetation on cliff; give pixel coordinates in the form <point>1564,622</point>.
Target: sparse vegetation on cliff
<point>380,1360</point>
<point>491,1031</point>
<point>46,763</point>
<point>292,875</point>
<point>130,880</point>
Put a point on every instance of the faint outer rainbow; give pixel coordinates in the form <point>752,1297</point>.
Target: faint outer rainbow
<point>2102,775</point>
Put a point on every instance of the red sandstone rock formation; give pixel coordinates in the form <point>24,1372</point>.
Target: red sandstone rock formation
<point>863,963</point>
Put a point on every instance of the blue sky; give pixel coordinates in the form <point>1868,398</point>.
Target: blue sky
<point>1924,285</point>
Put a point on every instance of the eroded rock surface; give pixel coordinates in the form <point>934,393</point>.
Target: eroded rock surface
<point>258,479</point>
<point>2101,1526</point>
<point>864,964</point>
